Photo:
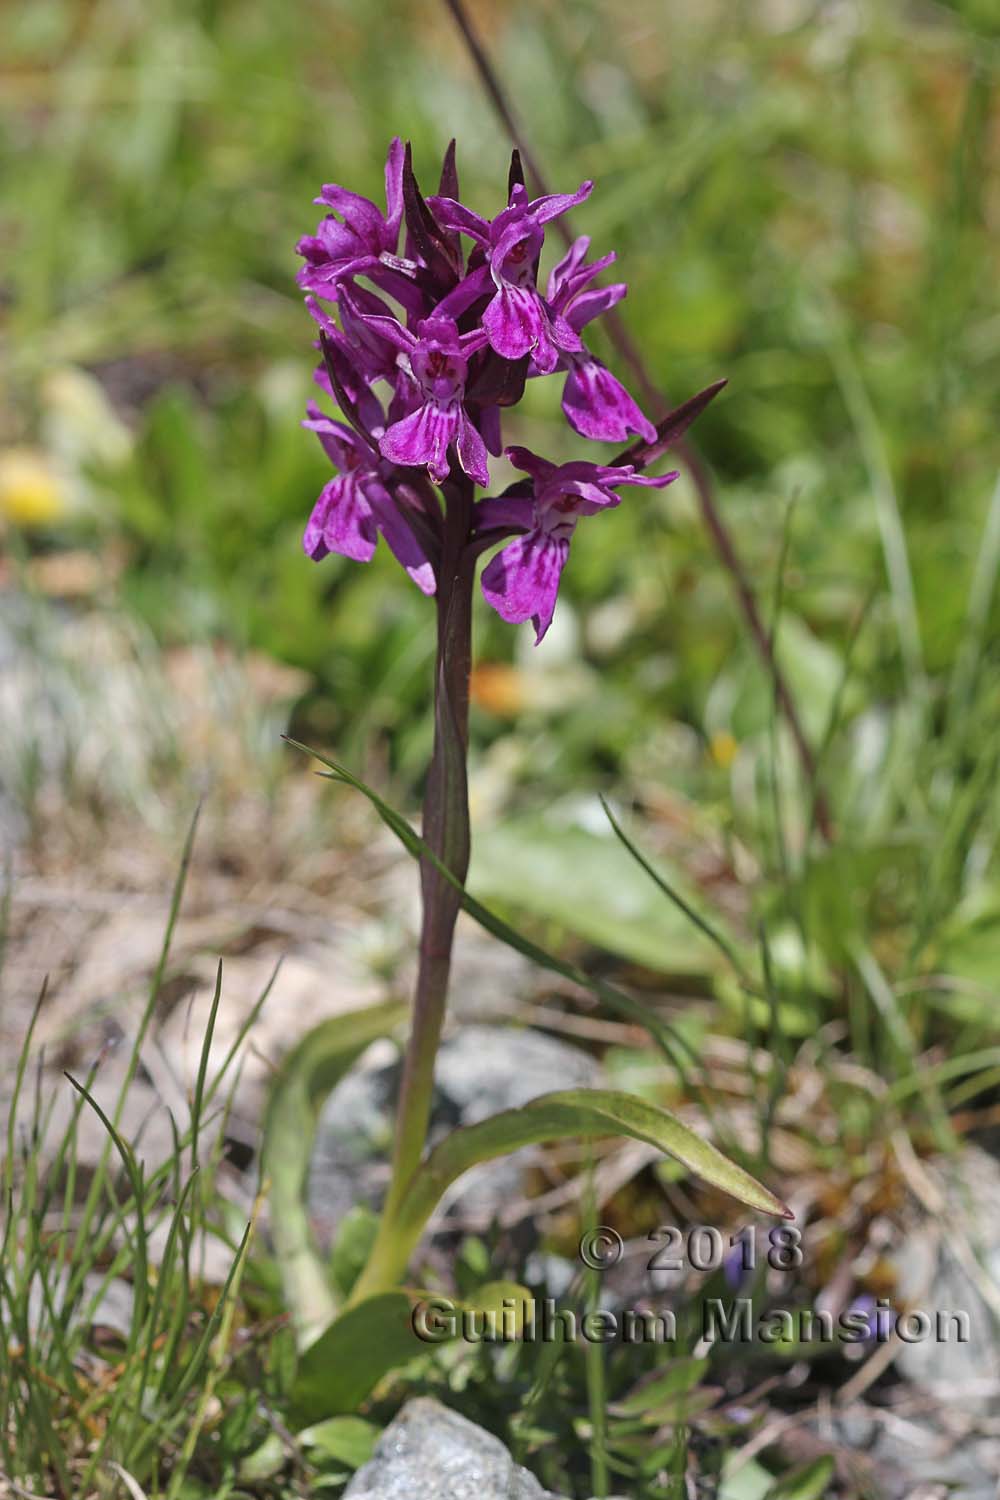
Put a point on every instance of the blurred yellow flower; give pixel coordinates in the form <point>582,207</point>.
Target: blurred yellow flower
<point>31,492</point>
<point>723,747</point>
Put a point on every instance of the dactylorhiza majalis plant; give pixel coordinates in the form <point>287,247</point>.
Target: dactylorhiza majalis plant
<point>440,322</point>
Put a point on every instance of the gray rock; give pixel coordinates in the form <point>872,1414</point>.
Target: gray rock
<point>934,1275</point>
<point>431,1453</point>
<point>916,1458</point>
<point>113,1304</point>
<point>485,1069</point>
<point>939,1438</point>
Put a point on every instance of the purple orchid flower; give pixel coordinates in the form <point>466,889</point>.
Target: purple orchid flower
<point>355,243</point>
<point>522,581</point>
<point>517,319</point>
<point>434,363</point>
<point>596,404</point>
<point>355,506</point>
<point>419,394</point>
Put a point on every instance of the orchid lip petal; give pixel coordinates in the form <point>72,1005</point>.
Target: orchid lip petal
<point>341,522</point>
<point>598,406</point>
<point>522,581</point>
<point>422,439</point>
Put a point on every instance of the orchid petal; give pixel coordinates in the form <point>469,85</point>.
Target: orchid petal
<point>466,292</point>
<point>554,204</point>
<point>627,475</point>
<point>489,426</point>
<point>518,231</point>
<point>598,406</point>
<point>514,321</point>
<point>453,215</point>
<point>471,450</point>
<point>340,443</point>
<point>522,581</point>
<point>586,306</point>
<point>360,213</point>
<point>564,268</point>
<point>422,438</point>
<point>394,190</point>
<point>382,324</point>
<point>400,538</point>
<point>530,463</point>
<point>341,522</point>
<point>498,512</point>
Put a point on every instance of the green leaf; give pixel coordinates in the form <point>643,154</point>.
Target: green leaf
<point>969,949</point>
<point>303,1082</point>
<point>810,1482</point>
<point>349,1440</point>
<point>589,1112</point>
<point>750,1481</point>
<point>681,1376</point>
<point>713,933</point>
<point>574,1113</point>
<point>355,1237</point>
<point>339,1369</point>
<point>589,885</point>
<point>264,1462</point>
<point>508,1301</point>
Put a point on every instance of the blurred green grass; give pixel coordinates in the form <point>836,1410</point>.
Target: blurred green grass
<point>804,199</point>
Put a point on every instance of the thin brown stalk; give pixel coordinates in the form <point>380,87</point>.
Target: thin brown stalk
<point>657,401</point>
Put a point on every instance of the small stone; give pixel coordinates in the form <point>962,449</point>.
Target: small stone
<point>431,1453</point>
<point>934,1277</point>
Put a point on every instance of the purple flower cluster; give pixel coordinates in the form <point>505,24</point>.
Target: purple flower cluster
<point>433,342</point>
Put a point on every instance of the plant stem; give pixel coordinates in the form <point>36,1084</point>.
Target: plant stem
<point>446,831</point>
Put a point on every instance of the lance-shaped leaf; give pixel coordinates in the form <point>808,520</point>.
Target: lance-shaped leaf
<point>672,427</point>
<point>498,382</point>
<point>515,177</point>
<point>810,1482</point>
<point>380,1333</point>
<point>303,1082</point>
<point>574,1114</point>
<point>581,1113</point>
<point>448,188</point>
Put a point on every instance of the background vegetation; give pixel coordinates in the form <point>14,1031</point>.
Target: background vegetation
<point>804,199</point>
